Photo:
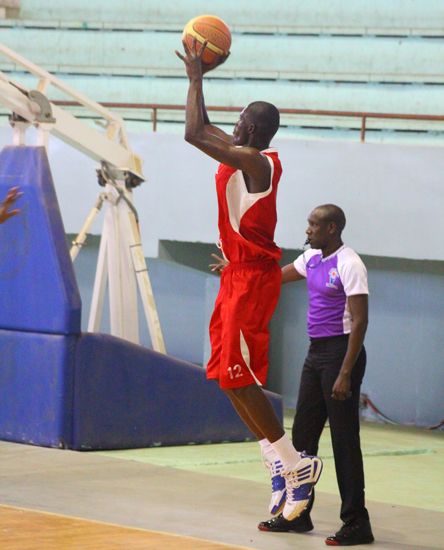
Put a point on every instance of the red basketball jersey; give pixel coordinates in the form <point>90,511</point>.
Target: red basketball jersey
<point>247,221</point>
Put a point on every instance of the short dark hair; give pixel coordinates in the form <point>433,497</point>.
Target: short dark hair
<point>332,213</point>
<point>265,116</point>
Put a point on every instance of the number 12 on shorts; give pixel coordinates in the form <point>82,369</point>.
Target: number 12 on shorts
<point>235,372</point>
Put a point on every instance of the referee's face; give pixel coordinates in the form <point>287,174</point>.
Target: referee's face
<point>318,232</point>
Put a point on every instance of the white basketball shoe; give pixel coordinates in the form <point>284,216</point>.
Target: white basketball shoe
<point>299,484</point>
<point>278,490</point>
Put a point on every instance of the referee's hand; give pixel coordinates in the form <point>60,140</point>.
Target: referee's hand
<point>220,265</point>
<point>341,388</point>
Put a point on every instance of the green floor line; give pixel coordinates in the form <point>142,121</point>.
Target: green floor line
<point>397,459</point>
<point>400,453</point>
<point>182,464</point>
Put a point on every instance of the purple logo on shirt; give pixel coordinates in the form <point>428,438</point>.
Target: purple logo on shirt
<point>333,275</point>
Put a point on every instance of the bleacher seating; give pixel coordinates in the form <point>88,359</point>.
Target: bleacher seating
<point>338,55</point>
<point>399,17</point>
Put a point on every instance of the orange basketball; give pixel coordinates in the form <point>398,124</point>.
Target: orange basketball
<point>211,28</point>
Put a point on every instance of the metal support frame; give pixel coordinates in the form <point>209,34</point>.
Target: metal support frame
<point>122,265</point>
<point>80,240</point>
<point>121,260</point>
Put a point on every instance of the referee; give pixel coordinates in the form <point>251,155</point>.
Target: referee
<point>333,370</point>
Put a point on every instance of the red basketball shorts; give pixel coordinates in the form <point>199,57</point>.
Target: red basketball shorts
<point>239,334</point>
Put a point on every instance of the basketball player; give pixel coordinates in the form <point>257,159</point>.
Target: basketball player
<point>246,185</point>
<point>8,202</point>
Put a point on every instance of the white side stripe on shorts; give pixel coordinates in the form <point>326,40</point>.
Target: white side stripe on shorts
<point>246,356</point>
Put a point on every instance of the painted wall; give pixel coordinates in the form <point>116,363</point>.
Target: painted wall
<point>393,195</point>
<point>405,371</point>
<point>180,296</point>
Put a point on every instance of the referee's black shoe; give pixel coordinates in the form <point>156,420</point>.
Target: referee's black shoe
<point>279,524</point>
<point>352,533</point>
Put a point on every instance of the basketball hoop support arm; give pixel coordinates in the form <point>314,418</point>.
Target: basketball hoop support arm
<point>66,127</point>
<point>121,258</point>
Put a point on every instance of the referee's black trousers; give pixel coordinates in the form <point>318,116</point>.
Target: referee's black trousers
<point>315,405</point>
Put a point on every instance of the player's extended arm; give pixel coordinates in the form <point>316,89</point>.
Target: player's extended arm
<point>8,202</point>
<point>358,305</point>
<point>214,130</point>
<point>290,274</point>
<point>247,159</point>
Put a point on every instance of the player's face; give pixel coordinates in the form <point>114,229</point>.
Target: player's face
<point>318,234</point>
<point>240,132</point>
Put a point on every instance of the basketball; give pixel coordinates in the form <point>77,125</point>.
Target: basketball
<point>213,29</point>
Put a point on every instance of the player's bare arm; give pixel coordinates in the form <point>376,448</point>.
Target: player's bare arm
<point>358,305</point>
<point>218,132</point>
<point>210,128</point>
<point>248,159</point>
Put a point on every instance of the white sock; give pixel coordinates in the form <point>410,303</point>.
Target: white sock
<point>286,452</point>
<point>267,450</point>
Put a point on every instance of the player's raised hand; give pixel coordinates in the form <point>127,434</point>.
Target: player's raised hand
<point>220,265</point>
<point>8,202</point>
<point>219,60</point>
<point>193,59</point>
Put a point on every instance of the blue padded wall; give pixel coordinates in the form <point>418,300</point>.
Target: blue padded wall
<point>36,388</point>
<point>37,283</point>
<point>128,396</point>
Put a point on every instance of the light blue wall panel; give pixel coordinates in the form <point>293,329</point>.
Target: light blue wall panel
<point>407,14</point>
<point>211,292</point>
<point>363,59</point>
<point>406,346</point>
<point>180,299</point>
<point>288,342</point>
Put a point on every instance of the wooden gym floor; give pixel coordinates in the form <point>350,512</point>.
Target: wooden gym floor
<point>209,497</point>
<point>22,529</point>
